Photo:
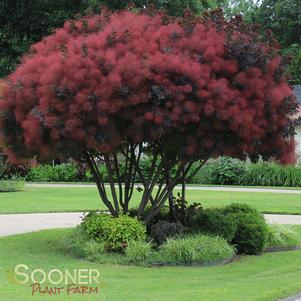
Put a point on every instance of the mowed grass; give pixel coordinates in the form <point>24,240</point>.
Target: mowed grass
<point>68,199</point>
<point>262,278</point>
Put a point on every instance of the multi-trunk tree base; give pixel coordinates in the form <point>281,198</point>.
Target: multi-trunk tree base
<point>158,186</point>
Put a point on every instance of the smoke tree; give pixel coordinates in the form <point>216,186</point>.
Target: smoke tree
<point>183,89</point>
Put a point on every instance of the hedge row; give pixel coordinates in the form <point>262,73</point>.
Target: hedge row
<point>221,171</point>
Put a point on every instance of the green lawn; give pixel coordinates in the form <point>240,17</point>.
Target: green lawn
<point>267,277</point>
<point>60,199</point>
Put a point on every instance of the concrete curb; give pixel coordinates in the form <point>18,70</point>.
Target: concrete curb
<point>293,298</point>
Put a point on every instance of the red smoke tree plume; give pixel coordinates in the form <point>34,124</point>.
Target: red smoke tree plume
<point>185,89</point>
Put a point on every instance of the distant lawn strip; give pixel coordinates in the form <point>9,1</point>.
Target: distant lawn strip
<point>71,199</point>
<point>263,278</point>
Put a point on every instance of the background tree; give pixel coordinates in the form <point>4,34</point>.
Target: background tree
<point>120,84</point>
<point>174,8</point>
<point>23,23</point>
<point>246,8</point>
<point>282,17</point>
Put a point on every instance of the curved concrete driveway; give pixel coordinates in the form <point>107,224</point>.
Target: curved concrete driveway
<point>11,224</point>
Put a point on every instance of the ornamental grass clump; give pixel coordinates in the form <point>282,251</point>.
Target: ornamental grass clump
<point>198,249</point>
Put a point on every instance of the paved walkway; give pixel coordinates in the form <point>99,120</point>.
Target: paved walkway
<point>206,188</point>
<point>283,219</point>
<point>11,224</point>
<point>294,298</point>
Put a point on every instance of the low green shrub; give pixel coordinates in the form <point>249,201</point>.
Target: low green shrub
<point>163,230</point>
<point>115,233</point>
<point>196,249</point>
<point>220,171</point>
<point>94,224</point>
<point>281,236</point>
<point>251,234</point>
<point>227,171</point>
<point>138,251</point>
<point>238,223</point>
<point>11,185</point>
<point>215,222</point>
<point>65,172</point>
<point>239,208</point>
<point>41,173</point>
<point>57,173</point>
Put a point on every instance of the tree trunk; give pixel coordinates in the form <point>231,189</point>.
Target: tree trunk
<point>172,211</point>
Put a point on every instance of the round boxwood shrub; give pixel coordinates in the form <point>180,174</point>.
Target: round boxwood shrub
<point>238,223</point>
<point>163,230</point>
<point>251,234</point>
<point>216,222</point>
<point>239,208</point>
<point>115,233</point>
